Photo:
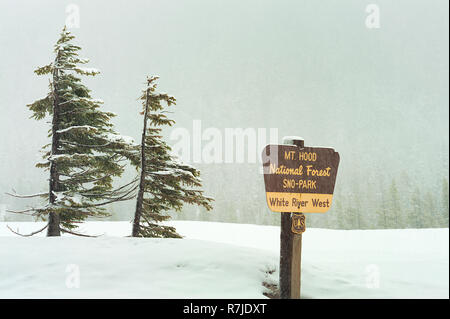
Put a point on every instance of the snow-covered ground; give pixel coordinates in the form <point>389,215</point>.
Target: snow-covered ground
<point>220,260</point>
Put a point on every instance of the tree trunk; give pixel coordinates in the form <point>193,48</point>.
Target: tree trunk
<point>54,186</point>
<point>53,225</point>
<point>140,197</point>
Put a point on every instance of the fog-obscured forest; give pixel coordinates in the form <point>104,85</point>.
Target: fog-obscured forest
<point>378,96</point>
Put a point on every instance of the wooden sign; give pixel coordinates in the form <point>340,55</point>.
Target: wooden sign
<point>298,223</point>
<point>299,180</point>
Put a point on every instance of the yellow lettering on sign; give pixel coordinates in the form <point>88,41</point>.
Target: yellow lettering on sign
<point>283,170</point>
<point>289,155</point>
<point>310,171</point>
<point>307,156</point>
<point>307,184</point>
<point>300,184</point>
<point>299,203</point>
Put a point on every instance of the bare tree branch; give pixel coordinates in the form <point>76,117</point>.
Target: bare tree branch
<point>78,234</point>
<point>24,212</point>
<point>26,196</point>
<point>28,235</point>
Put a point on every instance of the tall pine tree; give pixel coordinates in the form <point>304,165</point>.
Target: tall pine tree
<point>85,153</point>
<point>165,183</point>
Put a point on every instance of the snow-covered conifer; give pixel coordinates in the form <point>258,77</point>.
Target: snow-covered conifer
<point>165,182</point>
<point>85,153</point>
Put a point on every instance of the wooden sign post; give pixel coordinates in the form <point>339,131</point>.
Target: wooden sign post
<point>297,179</point>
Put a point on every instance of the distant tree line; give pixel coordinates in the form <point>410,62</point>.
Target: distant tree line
<point>375,203</point>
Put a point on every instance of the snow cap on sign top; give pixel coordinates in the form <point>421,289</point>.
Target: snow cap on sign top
<point>291,139</point>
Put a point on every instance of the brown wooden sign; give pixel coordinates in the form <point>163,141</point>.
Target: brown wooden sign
<point>299,180</point>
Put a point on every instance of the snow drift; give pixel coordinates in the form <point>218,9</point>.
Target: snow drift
<point>219,260</point>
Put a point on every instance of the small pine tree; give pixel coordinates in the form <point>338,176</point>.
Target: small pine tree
<point>394,206</point>
<point>416,220</point>
<point>356,206</point>
<point>85,153</point>
<point>444,203</point>
<point>382,214</point>
<point>165,183</point>
<point>381,208</point>
<point>337,210</point>
<point>429,210</point>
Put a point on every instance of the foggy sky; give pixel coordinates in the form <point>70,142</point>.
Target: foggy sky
<point>308,68</point>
